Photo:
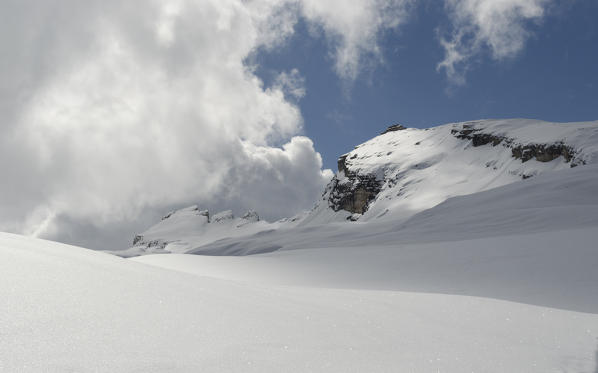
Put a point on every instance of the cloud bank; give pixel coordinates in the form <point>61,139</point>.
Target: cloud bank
<point>116,110</point>
<point>498,25</point>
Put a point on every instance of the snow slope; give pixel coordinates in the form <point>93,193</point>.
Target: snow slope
<point>533,241</point>
<point>69,309</point>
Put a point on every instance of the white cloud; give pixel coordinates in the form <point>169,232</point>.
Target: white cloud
<point>285,175</point>
<point>291,83</point>
<point>354,28</point>
<point>499,25</point>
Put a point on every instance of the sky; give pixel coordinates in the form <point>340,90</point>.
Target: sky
<point>113,113</point>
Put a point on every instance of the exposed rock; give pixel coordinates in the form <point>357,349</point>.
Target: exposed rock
<point>139,238</point>
<point>158,244</point>
<point>394,127</point>
<point>543,152</point>
<point>353,192</point>
<point>525,152</point>
<point>478,139</point>
<point>154,244</point>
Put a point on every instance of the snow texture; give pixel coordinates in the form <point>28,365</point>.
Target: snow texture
<point>70,309</point>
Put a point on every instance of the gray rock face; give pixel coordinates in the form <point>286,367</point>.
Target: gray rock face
<point>354,192</point>
<point>544,152</point>
<point>139,240</point>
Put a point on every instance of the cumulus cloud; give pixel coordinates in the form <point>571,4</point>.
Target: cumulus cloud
<point>114,108</point>
<point>282,174</point>
<point>498,25</point>
<point>113,112</point>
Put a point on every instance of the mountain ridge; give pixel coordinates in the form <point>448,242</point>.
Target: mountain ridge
<point>402,172</point>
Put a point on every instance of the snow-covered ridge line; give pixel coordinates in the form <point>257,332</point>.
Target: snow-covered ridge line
<point>191,226</point>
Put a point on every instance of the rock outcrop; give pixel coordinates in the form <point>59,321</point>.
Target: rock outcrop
<point>524,152</point>
<point>352,191</point>
<point>394,127</point>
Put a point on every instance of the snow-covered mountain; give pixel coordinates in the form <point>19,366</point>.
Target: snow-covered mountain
<point>407,170</point>
<point>389,179</point>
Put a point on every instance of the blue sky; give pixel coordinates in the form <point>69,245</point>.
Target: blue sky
<point>554,78</point>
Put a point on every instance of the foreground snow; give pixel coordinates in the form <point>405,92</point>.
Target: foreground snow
<point>69,309</point>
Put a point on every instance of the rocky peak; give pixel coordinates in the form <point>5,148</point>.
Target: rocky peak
<point>393,128</point>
